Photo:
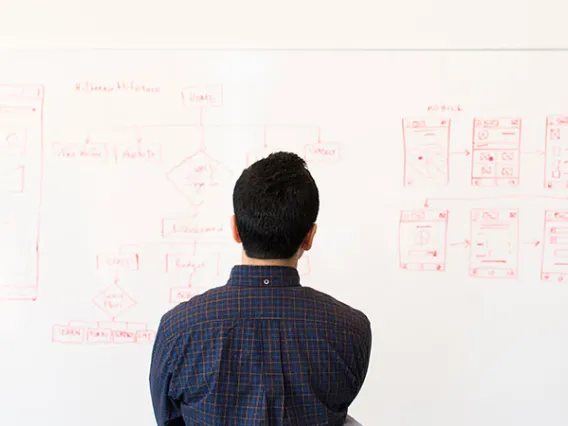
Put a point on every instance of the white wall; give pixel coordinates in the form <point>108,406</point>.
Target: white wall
<point>290,24</point>
<point>449,349</point>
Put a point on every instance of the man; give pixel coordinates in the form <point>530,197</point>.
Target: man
<point>263,349</point>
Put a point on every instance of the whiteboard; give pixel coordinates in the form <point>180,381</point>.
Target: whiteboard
<point>444,203</point>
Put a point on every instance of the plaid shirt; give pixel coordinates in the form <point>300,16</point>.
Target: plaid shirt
<point>260,350</point>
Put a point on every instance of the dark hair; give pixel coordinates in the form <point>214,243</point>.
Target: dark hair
<point>276,202</point>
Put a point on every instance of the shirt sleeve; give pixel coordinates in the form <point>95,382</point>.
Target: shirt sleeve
<point>166,410</point>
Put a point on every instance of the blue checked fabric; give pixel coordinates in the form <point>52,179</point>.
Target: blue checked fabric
<point>260,350</point>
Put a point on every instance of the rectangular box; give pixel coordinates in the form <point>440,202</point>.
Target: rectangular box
<point>496,152</point>
<point>423,240</point>
<point>124,261</point>
<point>98,335</point>
<point>426,151</point>
<point>189,263</point>
<point>123,336</point>
<point>556,152</point>
<point>145,336</point>
<point>191,228</point>
<point>554,257</point>
<point>494,243</point>
<point>138,152</point>
<point>180,294</point>
<point>84,151</point>
<point>322,152</point>
<point>68,334</point>
<point>200,96</point>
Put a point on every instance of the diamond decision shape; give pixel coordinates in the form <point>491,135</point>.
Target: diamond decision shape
<point>114,300</point>
<point>196,175</point>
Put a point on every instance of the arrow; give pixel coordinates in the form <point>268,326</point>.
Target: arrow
<point>532,243</point>
<point>464,152</point>
<point>464,244</point>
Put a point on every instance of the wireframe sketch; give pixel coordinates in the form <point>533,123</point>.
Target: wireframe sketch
<point>496,152</point>
<point>423,240</point>
<point>494,248</point>
<point>426,151</point>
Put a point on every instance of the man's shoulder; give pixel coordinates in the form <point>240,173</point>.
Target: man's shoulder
<point>343,313</point>
<point>199,308</point>
<point>219,304</point>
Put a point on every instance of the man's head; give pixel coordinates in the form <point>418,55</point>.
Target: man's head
<point>276,204</point>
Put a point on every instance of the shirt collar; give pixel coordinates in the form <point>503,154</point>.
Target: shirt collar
<point>264,276</point>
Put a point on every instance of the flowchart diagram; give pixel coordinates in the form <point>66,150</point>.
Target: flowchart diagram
<point>495,237</point>
<point>188,244</point>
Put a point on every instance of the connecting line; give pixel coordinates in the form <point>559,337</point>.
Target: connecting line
<point>319,135</point>
<point>202,147</point>
<point>465,244</point>
<point>428,201</point>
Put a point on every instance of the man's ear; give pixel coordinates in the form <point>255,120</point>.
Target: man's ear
<point>309,239</point>
<point>234,230</point>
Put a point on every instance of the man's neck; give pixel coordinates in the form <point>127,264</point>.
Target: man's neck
<point>291,263</point>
